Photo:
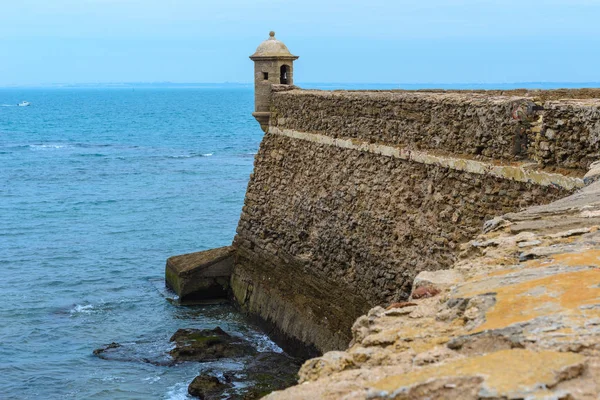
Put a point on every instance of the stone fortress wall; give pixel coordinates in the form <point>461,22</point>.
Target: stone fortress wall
<point>446,240</point>
<point>354,193</point>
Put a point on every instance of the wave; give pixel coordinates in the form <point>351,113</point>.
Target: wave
<point>191,155</point>
<point>82,309</point>
<point>92,155</point>
<point>48,146</point>
<point>262,342</point>
<point>247,155</point>
<point>178,392</point>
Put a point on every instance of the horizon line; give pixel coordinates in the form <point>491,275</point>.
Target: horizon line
<point>398,84</point>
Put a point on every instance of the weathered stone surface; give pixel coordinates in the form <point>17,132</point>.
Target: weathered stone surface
<point>355,193</point>
<point>202,275</point>
<point>513,328</point>
<point>423,292</point>
<point>569,135</point>
<point>260,376</point>
<point>439,280</point>
<point>552,132</point>
<point>207,345</point>
<point>593,174</point>
<point>133,352</point>
<point>325,233</point>
<point>206,387</point>
<point>459,123</point>
<point>516,171</point>
<point>512,374</point>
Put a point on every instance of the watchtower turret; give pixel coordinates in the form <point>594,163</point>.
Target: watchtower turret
<point>273,64</point>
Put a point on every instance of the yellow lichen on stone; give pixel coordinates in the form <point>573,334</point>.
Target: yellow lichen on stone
<point>506,373</point>
<point>560,293</point>
<point>589,258</point>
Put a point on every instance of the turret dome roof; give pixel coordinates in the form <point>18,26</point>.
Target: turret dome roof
<point>272,48</point>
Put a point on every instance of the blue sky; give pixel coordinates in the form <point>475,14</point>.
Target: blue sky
<point>367,41</point>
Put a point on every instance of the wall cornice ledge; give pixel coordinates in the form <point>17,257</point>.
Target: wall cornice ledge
<point>519,172</point>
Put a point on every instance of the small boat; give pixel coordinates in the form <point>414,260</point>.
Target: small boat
<point>24,104</point>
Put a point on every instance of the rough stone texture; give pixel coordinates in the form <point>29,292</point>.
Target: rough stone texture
<point>516,171</point>
<point>326,233</point>
<point>516,327</point>
<point>439,280</point>
<point>495,125</point>
<point>208,345</point>
<point>593,174</point>
<point>204,386</point>
<point>355,193</point>
<point>570,136</point>
<point>201,275</point>
<point>468,124</point>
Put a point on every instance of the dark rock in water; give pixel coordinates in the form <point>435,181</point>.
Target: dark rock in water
<point>206,387</point>
<point>262,375</point>
<point>208,345</point>
<point>131,353</point>
<point>269,372</point>
<point>100,352</point>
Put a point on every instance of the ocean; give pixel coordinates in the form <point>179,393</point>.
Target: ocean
<point>98,187</point>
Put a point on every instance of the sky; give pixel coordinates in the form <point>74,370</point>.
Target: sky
<point>345,41</point>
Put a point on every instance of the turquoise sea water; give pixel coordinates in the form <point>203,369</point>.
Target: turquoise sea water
<point>97,189</point>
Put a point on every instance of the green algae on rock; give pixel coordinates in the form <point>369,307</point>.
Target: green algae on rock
<point>207,345</point>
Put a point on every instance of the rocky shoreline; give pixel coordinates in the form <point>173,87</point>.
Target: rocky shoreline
<point>262,372</point>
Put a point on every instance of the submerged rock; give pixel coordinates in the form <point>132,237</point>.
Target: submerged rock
<point>207,345</point>
<point>269,372</point>
<point>100,351</point>
<point>132,353</point>
<point>265,373</point>
<point>262,373</point>
<point>207,387</point>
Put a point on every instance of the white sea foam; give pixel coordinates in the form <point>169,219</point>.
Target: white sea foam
<point>178,392</point>
<point>191,155</point>
<point>48,146</point>
<point>263,343</point>
<point>82,309</point>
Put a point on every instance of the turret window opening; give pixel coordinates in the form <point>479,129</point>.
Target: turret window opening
<point>283,74</point>
<point>266,76</point>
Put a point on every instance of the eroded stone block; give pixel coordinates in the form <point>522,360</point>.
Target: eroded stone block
<point>200,276</point>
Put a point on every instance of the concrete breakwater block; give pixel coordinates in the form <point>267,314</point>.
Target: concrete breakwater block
<point>200,276</point>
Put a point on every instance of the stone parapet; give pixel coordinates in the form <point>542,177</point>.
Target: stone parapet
<point>502,126</point>
<point>570,134</point>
